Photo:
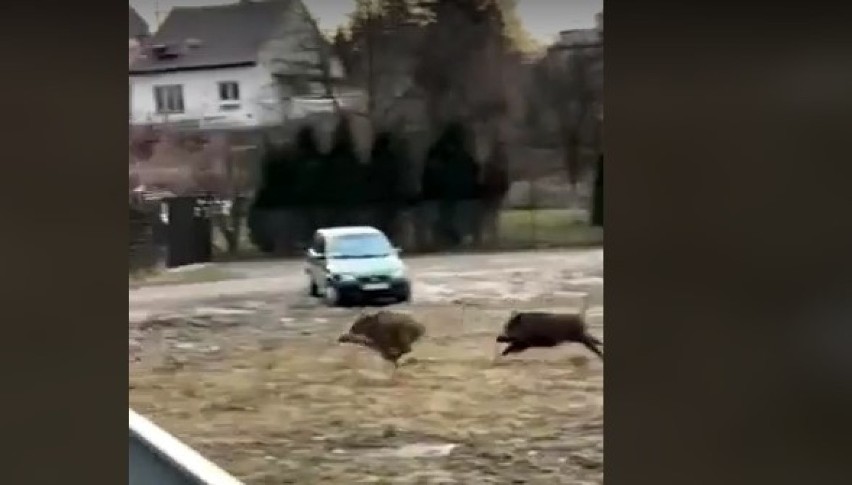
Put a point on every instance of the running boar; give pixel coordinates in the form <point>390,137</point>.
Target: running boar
<point>526,330</point>
<point>391,334</point>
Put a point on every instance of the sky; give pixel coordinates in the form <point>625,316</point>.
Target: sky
<point>542,18</point>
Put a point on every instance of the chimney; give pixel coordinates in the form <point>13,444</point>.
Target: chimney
<point>192,43</point>
<point>163,51</point>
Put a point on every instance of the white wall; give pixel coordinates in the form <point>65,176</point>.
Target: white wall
<point>263,102</point>
<point>133,49</point>
<point>259,97</point>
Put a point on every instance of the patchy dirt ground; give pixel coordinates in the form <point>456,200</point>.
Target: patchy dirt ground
<point>262,388</point>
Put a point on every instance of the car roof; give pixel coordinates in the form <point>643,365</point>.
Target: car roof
<point>348,231</point>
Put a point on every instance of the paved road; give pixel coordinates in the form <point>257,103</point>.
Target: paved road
<point>516,275</point>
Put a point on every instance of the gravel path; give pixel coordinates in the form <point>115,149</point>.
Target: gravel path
<point>522,275</point>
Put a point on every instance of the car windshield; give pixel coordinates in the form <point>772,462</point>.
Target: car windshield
<point>359,246</point>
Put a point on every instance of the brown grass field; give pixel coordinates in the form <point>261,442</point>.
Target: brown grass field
<point>281,402</point>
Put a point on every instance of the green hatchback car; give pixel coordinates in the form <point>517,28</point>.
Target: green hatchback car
<point>355,264</point>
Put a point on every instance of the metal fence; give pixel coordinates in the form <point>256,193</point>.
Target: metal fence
<point>146,253</point>
<point>169,232</point>
<point>156,457</point>
<point>525,221</point>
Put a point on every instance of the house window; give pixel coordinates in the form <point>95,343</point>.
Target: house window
<point>316,88</point>
<point>169,99</point>
<point>300,86</point>
<point>229,91</point>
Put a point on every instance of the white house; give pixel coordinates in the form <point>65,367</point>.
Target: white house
<point>138,33</point>
<point>137,27</point>
<point>247,65</point>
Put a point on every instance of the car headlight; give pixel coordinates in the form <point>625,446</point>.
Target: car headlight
<point>343,277</point>
<point>398,273</point>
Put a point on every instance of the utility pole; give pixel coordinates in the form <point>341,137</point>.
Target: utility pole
<point>157,12</point>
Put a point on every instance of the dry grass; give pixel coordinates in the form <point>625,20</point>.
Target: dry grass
<point>546,228</point>
<point>201,274</point>
<point>308,410</point>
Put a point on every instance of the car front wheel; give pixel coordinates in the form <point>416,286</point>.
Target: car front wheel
<point>332,296</point>
<point>405,297</point>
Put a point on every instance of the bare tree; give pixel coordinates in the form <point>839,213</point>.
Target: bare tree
<point>166,162</point>
<point>230,184</point>
<point>569,90</point>
<point>308,57</point>
<point>380,48</point>
<point>195,164</point>
<point>515,32</point>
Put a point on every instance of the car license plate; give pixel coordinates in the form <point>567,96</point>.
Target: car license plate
<point>375,286</point>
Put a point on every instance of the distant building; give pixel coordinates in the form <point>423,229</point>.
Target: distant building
<point>577,38</point>
<point>580,37</point>
<point>244,65</point>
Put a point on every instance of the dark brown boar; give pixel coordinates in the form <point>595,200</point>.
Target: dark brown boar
<point>526,330</point>
<point>391,334</point>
